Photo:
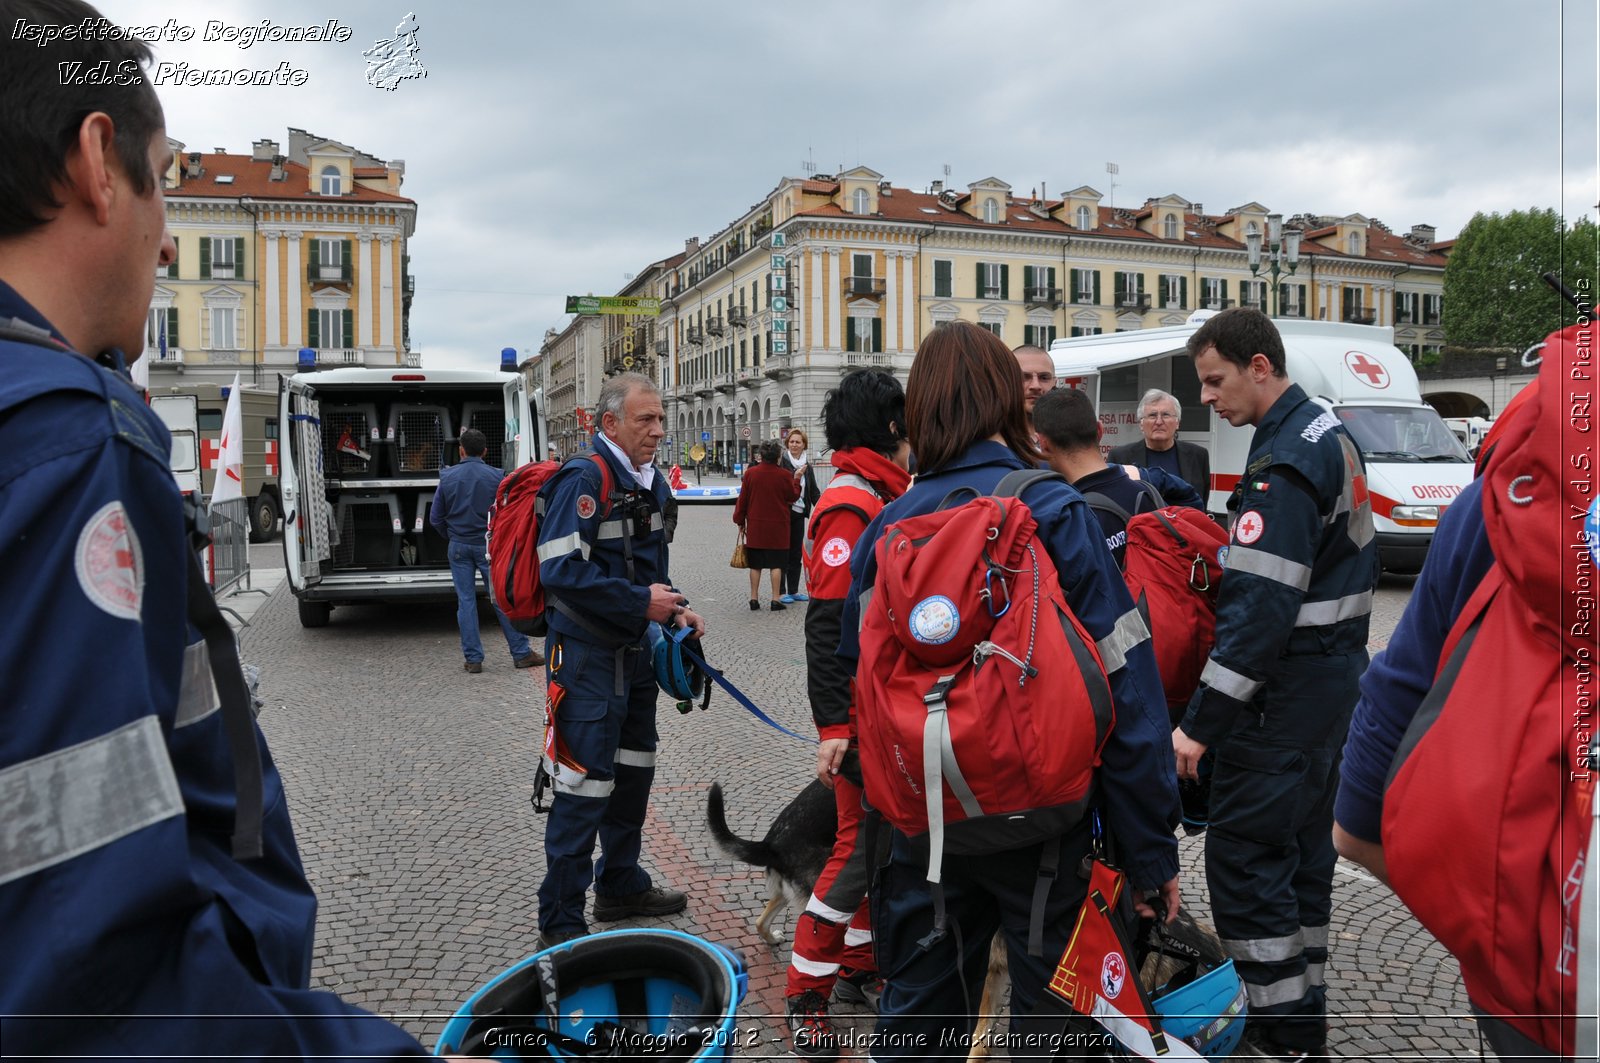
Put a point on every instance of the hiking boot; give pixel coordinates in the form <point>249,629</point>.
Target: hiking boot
<point>812,1035</point>
<point>532,660</point>
<point>472,666</point>
<point>657,900</point>
<point>551,938</point>
<point>858,987</point>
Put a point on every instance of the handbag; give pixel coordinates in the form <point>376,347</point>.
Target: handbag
<point>738,560</point>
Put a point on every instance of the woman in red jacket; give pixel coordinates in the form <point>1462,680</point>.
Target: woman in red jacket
<point>763,512</point>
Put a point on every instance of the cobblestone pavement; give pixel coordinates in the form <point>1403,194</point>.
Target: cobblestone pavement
<point>409,782</point>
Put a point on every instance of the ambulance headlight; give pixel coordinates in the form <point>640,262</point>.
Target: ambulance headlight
<point>1415,516</point>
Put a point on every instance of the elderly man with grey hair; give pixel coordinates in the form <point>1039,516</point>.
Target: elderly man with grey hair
<point>603,565</point>
<point>1159,415</point>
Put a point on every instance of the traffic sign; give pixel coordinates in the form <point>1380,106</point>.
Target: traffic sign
<point>705,437</point>
<point>744,433</point>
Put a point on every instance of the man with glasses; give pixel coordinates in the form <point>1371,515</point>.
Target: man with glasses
<point>1159,416</point>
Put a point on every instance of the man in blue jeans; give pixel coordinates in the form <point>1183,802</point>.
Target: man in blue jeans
<point>461,514</point>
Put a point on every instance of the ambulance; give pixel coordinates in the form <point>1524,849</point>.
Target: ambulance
<point>1415,465</point>
<point>362,454</point>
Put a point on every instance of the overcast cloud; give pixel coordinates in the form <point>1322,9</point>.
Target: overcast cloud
<point>555,147</point>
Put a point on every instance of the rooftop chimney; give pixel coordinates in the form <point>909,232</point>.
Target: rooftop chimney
<point>935,188</point>
<point>194,165</point>
<point>263,150</point>
<point>1423,234</point>
<point>395,172</point>
<point>277,168</point>
<point>691,245</point>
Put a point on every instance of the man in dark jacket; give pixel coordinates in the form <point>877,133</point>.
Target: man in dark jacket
<point>460,513</point>
<point>1159,415</point>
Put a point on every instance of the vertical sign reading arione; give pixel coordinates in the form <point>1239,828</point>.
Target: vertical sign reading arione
<point>778,285</point>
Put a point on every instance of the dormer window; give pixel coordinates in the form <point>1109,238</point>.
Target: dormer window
<point>1354,243</point>
<point>1083,217</point>
<point>331,181</point>
<point>1169,227</point>
<point>860,201</point>
<point>991,210</point>
<point>1251,228</point>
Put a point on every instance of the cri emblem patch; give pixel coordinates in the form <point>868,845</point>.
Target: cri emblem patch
<point>585,507</point>
<point>1250,528</point>
<point>108,562</point>
<point>1113,972</point>
<point>835,552</point>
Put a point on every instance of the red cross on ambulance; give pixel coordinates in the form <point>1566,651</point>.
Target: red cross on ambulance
<point>1368,370</point>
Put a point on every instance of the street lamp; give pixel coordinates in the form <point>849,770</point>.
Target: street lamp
<point>1283,253</point>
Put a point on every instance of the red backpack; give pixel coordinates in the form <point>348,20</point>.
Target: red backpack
<point>1173,566</point>
<point>512,540</point>
<point>981,701</point>
<point>1488,816</point>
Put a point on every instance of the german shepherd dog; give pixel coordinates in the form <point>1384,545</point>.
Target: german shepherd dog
<point>793,852</point>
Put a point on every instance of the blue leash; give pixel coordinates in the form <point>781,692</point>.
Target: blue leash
<point>681,637</point>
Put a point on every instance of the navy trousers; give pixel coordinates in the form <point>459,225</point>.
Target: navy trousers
<point>607,719</point>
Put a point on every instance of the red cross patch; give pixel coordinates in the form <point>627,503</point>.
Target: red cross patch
<point>109,564</point>
<point>1373,373</point>
<point>585,507</point>
<point>835,552</point>
<point>1251,526</point>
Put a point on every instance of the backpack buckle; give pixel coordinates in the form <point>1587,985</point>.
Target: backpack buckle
<point>940,688</point>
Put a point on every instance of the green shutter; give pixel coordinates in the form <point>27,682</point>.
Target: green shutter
<point>349,328</point>
<point>205,257</point>
<point>172,268</point>
<point>978,291</point>
<point>172,327</point>
<point>1096,287</point>
<point>1224,289</point>
<point>1005,281</point>
<point>238,258</point>
<point>1304,309</point>
<point>312,338</point>
<point>344,263</point>
<point>877,335</point>
<point>1139,284</point>
<point>1121,287</point>
<point>1050,277</point>
<point>313,257</point>
<point>1027,279</point>
<point>1183,293</point>
<point>1073,295</point>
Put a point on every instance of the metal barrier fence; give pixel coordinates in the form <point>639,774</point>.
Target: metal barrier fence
<point>229,555</point>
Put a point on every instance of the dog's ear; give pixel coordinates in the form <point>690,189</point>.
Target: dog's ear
<point>850,767</point>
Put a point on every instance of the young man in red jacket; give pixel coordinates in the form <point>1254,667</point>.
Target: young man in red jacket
<point>864,419</point>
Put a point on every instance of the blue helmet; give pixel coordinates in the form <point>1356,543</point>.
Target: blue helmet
<point>678,674</point>
<point>570,1000</point>
<point>1207,1013</point>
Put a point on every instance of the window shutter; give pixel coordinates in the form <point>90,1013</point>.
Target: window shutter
<point>314,256</point>
<point>1005,281</point>
<point>1302,290</point>
<point>1027,279</point>
<point>877,335</point>
<point>1050,277</point>
<point>349,328</point>
<point>1224,288</point>
<point>1139,284</point>
<point>1097,287</point>
<point>344,260</point>
<point>1283,297</point>
<point>1162,289</point>
<point>982,277</point>
<point>172,268</point>
<point>313,339</point>
<point>1121,287</point>
<point>172,327</point>
<point>238,257</point>
<point>1074,294</point>
<point>942,286</point>
<point>205,258</point>
<point>1183,293</point>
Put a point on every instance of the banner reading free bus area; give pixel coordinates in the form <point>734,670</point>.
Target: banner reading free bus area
<point>613,304</point>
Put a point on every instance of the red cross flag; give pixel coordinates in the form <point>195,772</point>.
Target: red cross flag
<point>230,461</point>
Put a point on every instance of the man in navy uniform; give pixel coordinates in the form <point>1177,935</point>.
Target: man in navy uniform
<point>603,565</point>
<point>1277,693</point>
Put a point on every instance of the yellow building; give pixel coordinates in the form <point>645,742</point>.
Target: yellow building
<point>827,274</point>
<point>279,251</point>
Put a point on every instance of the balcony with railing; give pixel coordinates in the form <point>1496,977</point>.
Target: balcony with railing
<point>865,359</point>
<point>411,359</point>
<point>728,382</point>
<point>329,274</point>
<point>714,326</point>
<point>750,376</point>
<point>662,348</point>
<point>694,335</point>
<point>737,317</point>
<point>872,287</point>
<point>1356,315</point>
<point>779,366</point>
<point>1135,304</point>
<point>1039,296</point>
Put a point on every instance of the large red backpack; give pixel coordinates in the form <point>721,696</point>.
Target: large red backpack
<point>981,701</point>
<point>1173,567</point>
<point>1489,812</point>
<point>512,540</point>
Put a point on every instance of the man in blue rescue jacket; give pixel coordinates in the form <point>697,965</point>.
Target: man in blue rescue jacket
<point>603,565</point>
<point>126,922</point>
<point>1277,693</point>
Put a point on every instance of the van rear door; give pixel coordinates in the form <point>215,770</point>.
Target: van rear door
<point>307,516</point>
<point>181,415</point>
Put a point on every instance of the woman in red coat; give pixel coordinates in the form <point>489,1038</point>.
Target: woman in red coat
<point>768,492</point>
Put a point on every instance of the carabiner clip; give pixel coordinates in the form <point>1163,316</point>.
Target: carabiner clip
<point>1199,572</point>
<point>988,593</point>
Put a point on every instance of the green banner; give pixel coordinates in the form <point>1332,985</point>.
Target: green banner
<point>613,304</point>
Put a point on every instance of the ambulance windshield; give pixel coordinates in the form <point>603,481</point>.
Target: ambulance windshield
<point>1402,433</point>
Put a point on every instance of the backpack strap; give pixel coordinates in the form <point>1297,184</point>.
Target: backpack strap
<point>1013,483</point>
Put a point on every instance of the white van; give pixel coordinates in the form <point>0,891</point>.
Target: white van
<point>360,463</point>
<point>1415,465</point>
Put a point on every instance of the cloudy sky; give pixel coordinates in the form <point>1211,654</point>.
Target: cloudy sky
<point>557,146</point>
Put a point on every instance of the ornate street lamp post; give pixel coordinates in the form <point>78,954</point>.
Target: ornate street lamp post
<point>1283,254</point>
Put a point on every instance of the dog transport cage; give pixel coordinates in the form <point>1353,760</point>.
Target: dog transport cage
<point>350,439</point>
<point>490,419</point>
<point>422,439</point>
<point>369,530</point>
